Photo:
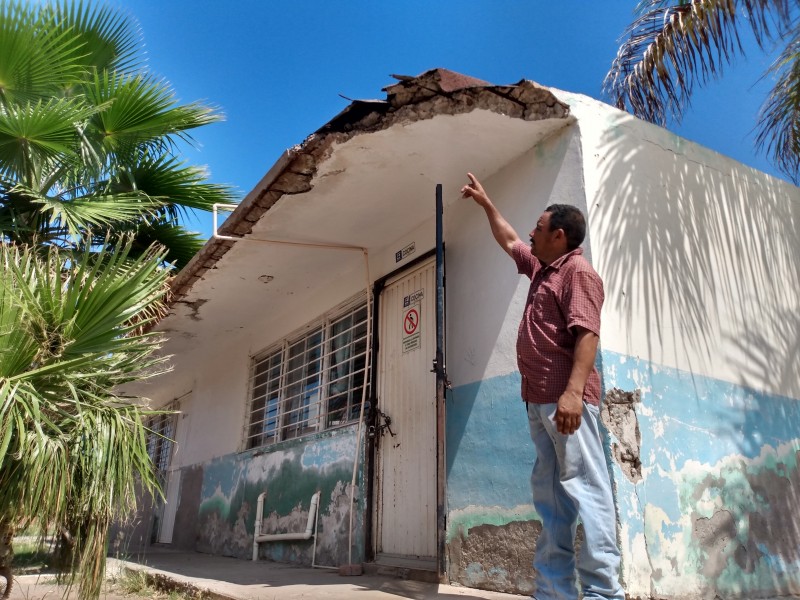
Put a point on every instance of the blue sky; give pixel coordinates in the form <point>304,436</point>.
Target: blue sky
<point>277,69</point>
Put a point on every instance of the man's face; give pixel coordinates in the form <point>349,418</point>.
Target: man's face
<point>543,240</point>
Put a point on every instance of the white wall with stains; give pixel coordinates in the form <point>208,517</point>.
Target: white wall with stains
<point>699,360</point>
<point>698,254</point>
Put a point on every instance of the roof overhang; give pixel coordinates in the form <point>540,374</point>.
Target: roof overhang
<point>363,180</point>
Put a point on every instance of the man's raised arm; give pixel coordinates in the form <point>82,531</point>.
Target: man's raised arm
<point>502,231</point>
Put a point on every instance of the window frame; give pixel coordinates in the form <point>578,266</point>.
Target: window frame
<point>315,414</point>
<point>160,437</point>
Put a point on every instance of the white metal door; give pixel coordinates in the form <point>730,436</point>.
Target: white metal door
<point>406,465</point>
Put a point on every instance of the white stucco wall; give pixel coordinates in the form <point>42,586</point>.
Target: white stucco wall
<point>486,295</point>
<point>218,377</point>
<point>698,255</point>
<point>719,294</point>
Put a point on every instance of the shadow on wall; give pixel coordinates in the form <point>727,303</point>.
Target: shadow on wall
<point>483,317</point>
<point>702,256</point>
<point>699,254</point>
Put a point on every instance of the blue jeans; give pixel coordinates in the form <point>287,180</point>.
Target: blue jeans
<point>570,480</point>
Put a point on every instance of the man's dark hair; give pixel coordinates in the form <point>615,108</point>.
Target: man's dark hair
<point>571,220</point>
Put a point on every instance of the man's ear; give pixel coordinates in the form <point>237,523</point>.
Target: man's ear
<point>561,238</point>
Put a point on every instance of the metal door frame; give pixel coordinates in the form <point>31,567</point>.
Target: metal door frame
<point>371,449</point>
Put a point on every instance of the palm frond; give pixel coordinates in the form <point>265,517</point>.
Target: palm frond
<point>75,216</point>
<point>32,135</point>
<point>178,186</point>
<point>141,110</point>
<point>108,39</point>
<point>101,312</point>
<point>71,451</point>
<point>39,56</point>
<point>18,348</point>
<point>779,121</point>
<point>108,448</point>
<point>78,310</point>
<point>180,244</point>
<point>673,46</point>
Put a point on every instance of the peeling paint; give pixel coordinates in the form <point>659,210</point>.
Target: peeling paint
<point>290,475</point>
<point>462,521</point>
<point>714,513</point>
<point>495,557</point>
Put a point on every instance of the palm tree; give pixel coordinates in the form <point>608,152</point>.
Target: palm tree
<point>672,46</point>
<point>88,138</point>
<point>90,178</point>
<point>71,448</point>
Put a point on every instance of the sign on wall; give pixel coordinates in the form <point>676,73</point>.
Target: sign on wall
<point>412,315</point>
<point>405,252</point>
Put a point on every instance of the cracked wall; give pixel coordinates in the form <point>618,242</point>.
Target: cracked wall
<point>697,254</point>
<point>434,93</point>
<point>711,512</point>
<point>492,526</point>
<point>714,513</point>
<point>495,557</point>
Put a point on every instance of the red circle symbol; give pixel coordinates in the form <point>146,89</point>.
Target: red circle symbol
<point>411,321</point>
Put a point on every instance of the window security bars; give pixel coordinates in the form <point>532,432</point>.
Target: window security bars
<point>309,383</point>
<point>160,438</point>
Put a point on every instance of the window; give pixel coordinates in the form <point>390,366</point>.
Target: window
<point>160,438</point>
<point>309,382</point>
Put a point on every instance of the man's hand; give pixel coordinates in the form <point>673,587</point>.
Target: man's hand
<point>569,411</point>
<point>475,190</point>
<point>570,404</point>
<point>503,233</point>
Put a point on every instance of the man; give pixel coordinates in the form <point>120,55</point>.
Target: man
<point>556,348</point>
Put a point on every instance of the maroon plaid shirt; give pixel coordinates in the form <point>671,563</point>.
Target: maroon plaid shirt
<point>566,294</point>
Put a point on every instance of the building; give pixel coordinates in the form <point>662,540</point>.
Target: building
<point>699,354</point>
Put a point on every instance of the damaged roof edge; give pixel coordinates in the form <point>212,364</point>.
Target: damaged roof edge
<point>435,92</point>
<point>214,248</point>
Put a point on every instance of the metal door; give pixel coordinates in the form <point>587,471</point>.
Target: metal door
<point>406,459</point>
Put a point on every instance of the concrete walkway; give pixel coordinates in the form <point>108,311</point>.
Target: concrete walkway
<point>235,579</point>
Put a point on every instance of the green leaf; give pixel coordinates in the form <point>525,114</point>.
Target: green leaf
<point>140,110</point>
<point>33,135</point>
<point>39,56</point>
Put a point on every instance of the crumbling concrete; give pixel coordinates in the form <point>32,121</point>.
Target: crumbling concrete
<point>717,536</point>
<point>435,92</point>
<point>748,533</point>
<point>499,557</point>
<point>495,557</point>
<point>619,416</point>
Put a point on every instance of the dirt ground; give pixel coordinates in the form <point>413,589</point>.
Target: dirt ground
<point>30,587</point>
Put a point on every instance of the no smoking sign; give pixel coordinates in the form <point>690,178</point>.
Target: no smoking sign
<point>412,340</point>
<point>410,321</point>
